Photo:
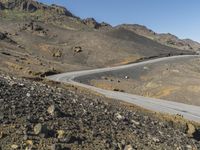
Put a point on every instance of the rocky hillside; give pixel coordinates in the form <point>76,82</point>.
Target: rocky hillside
<point>37,40</point>
<point>39,116</point>
<point>32,6</point>
<point>166,39</point>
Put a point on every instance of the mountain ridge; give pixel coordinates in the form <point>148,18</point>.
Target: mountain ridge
<point>38,40</point>
<point>32,6</point>
<point>167,39</point>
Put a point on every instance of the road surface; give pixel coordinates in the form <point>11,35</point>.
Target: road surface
<point>189,112</point>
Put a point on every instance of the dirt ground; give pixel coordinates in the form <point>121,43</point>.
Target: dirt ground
<point>177,80</point>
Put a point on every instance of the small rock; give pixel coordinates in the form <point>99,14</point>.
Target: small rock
<point>118,116</point>
<point>29,145</point>
<point>29,142</point>
<point>189,147</point>
<point>190,129</point>
<point>21,84</point>
<point>1,135</point>
<point>119,146</point>
<point>28,94</point>
<point>14,146</point>
<point>123,142</point>
<point>2,36</point>
<point>135,122</point>
<point>156,140</point>
<point>61,134</point>
<point>51,110</point>
<point>57,54</point>
<point>126,77</point>
<point>77,49</point>
<point>37,128</point>
<point>128,147</point>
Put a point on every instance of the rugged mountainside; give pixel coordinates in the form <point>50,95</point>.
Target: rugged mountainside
<point>37,39</point>
<point>32,6</point>
<point>166,39</point>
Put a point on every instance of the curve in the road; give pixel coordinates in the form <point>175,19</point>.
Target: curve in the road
<point>188,111</point>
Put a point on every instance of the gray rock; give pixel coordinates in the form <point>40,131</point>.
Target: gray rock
<point>38,128</point>
<point>128,147</point>
<point>190,129</point>
<point>51,110</point>
<point>28,94</point>
<point>14,146</point>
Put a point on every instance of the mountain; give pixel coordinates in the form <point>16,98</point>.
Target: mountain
<point>38,39</point>
<point>166,39</point>
<point>32,6</point>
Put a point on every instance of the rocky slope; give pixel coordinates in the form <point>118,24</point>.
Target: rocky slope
<point>39,116</point>
<point>166,39</point>
<point>50,39</point>
<point>39,40</point>
<point>32,6</point>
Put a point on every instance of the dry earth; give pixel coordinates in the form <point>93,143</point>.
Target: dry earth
<point>177,80</point>
<point>36,40</point>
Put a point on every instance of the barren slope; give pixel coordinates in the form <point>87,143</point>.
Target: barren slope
<point>163,38</point>
<point>176,80</point>
<point>49,39</point>
<point>38,116</point>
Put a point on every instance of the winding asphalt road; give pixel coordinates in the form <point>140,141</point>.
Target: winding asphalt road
<point>189,112</point>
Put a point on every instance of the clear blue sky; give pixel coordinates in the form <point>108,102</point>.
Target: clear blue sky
<point>179,17</point>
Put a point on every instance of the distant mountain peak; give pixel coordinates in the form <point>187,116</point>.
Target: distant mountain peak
<point>167,39</point>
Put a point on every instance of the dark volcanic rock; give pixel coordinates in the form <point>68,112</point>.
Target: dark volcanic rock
<point>2,36</point>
